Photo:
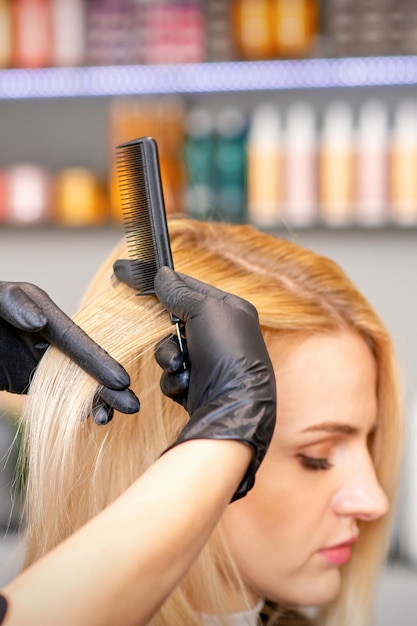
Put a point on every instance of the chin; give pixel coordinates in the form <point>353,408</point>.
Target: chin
<point>321,591</point>
<point>317,591</point>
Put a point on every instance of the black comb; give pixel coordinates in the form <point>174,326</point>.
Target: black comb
<point>144,215</point>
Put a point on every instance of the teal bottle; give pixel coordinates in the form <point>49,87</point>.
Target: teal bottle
<point>231,166</point>
<point>200,200</point>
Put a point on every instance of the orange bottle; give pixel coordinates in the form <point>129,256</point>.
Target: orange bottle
<point>295,27</point>
<point>79,198</point>
<point>5,33</point>
<point>253,29</point>
<point>403,171</point>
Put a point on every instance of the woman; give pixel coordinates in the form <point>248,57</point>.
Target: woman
<point>313,530</point>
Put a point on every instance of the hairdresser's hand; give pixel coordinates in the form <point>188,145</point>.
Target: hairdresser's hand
<point>29,322</point>
<point>231,392</point>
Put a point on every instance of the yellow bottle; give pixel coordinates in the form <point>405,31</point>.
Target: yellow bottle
<point>79,198</point>
<point>295,27</point>
<point>253,29</point>
<point>264,163</point>
<point>337,177</point>
<point>404,164</point>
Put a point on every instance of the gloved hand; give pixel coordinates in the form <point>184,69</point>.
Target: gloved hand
<point>231,392</point>
<point>29,322</point>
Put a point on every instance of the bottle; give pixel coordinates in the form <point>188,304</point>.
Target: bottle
<point>199,163</point>
<point>337,165</point>
<point>28,194</point>
<point>230,165</point>
<point>129,118</point>
<point>5,34</point>
<point>3,195</point>
<point>79,198</point>
<point>340,27</point>
<point>372,164</point>
<point>68,32</point>
<point>170,140</point>
<point>253,29</point>
<point>218,39</point>
<point>174,32</point>
<point>32,33</point>
<point>300,165</point>
<point>295,27</point>
<point>265,164</point>
<point>109,32</point>
<point>404,164</point>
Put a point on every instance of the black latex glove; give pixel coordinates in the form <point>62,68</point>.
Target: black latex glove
<point>29,322</point>
<point>231,392</point>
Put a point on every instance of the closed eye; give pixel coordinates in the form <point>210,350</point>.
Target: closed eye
<point>314,463</point>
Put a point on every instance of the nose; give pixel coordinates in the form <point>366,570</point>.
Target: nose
<point>361,496</point>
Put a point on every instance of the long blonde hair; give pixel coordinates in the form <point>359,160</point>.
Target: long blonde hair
<point>76,468</point>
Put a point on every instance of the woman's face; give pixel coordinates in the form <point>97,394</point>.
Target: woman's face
<point>295,528</point>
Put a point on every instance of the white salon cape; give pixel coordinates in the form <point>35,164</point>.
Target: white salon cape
<point>246,618</point>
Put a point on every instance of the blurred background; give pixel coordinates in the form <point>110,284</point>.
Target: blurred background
<point>299,116</point>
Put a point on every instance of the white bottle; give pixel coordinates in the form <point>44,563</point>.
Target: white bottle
<point>337,164</point>
<point>300,165</point>
<point>28,194</point>
<point>264,163</point>
<point>404,164</point>
<point>68,32</point>
<point>372,164</point>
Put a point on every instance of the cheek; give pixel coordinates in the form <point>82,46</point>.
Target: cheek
<point>280,522</point>
<point>264,530</point>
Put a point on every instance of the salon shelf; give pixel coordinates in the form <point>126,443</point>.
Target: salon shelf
<point>354,230</point>
<point>236,76</point>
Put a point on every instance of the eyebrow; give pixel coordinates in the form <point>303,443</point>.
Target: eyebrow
<point>332,427</point>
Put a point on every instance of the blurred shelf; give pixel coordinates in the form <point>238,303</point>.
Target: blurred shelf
<point>117,80</point>
<point>9,229</point>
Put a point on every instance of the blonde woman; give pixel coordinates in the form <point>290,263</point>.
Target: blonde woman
<point>313,530</point>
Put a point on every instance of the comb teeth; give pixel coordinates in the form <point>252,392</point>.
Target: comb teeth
<point>143,210</point>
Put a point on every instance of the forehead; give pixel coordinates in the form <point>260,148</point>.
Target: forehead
<point>325,377</point>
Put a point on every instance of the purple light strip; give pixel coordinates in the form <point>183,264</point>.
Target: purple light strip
<point>207,77</point>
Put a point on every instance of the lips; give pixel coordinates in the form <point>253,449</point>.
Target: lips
<point>340,553</point>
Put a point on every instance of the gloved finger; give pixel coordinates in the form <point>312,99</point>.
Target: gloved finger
<point>133,272</point>
<point>61,331</point>
<point>101,413</point>
<point>124,401</point>
<point>175,385</point>
<point>32,343</point>
<point>168,354</point>
<point>19,309</point>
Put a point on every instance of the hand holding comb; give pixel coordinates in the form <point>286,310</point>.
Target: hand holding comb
<point>144,215</point>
